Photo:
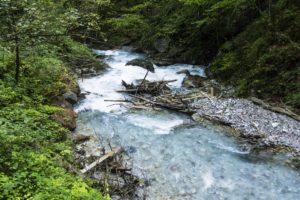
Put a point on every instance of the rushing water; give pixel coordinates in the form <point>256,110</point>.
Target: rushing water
<point>182,160</point>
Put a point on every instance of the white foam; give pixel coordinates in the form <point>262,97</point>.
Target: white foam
<point>208,180</point>
<point>158,125</point>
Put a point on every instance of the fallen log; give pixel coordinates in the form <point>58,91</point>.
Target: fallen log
<point>127,90</point>
<point>166,81</point>
<point>175,107</point>
<point>118,100</point>
<point>100,160</point>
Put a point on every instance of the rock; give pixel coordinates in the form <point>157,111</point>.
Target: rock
<point>207,71</point>
<point>191,81</point>
<point>137,49</point>
<point>258,125</point>
<point>162,44</point>
<point>146,64</point>
<point>113,180</point>
<point>66,117</point>
<point>86,71</point>
<point>163,61</point>
<point>184,71</point>
<point>90,146</point>
<point>175,52</point>
<point>99,56</point>
<point>131,149</point>
<point>71,97</point>
<point>83,95</point>
<point>80,138</point>
<point>91,69</point>
<point>115,197</point>
<point>61,102</point>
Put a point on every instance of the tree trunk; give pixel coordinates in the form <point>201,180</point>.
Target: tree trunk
<point>17,61</point>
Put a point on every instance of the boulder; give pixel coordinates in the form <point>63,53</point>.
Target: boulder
<point>175,51</point>
<point>71,97</point>
<point>66,118</point>
<point>162,44</point>
<point>162,61</point>
<point>146,64</point>
<point>191,81</point>
<point>61,102</point>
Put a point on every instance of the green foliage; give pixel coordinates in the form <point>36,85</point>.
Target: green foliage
<point>34,21</point>
<point>89,18</point>
<point>7,95</point>
<point>31,23</point>
<point>5,57</point>
<point>77,55</point>
<point>265,57</point>
<point>34,150</point>
<point>32,154</point>
<point>131,25</point>
<point>46,76</point>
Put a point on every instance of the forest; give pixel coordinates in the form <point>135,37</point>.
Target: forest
<point>253,45</point>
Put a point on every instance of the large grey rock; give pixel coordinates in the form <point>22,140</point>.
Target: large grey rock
<point>71,97</point>
<point>162,44</point>
<point>146,64</point>
<point>163,61</point>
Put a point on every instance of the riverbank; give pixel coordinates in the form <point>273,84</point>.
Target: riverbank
<point>36,120</point>
<point>263,128</point>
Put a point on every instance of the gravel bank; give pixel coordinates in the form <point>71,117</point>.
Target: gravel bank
<point>252,121</point>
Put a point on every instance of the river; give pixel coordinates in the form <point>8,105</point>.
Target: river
<point>182,160</point>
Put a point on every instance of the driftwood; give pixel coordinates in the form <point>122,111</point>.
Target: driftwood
<point>147,87</point>
<point>156,94</point>
<point>100,160</point>
<point>171,105</point>
<point>118,100</point>
<point>279,110</point>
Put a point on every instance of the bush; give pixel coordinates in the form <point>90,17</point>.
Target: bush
<point>32,155</point>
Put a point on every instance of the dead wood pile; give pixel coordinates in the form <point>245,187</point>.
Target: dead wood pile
<point>157,94</point>
<point>110,171</point>
<point>147,87</point>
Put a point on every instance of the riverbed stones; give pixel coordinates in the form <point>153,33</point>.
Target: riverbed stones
<point>251,120</point>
